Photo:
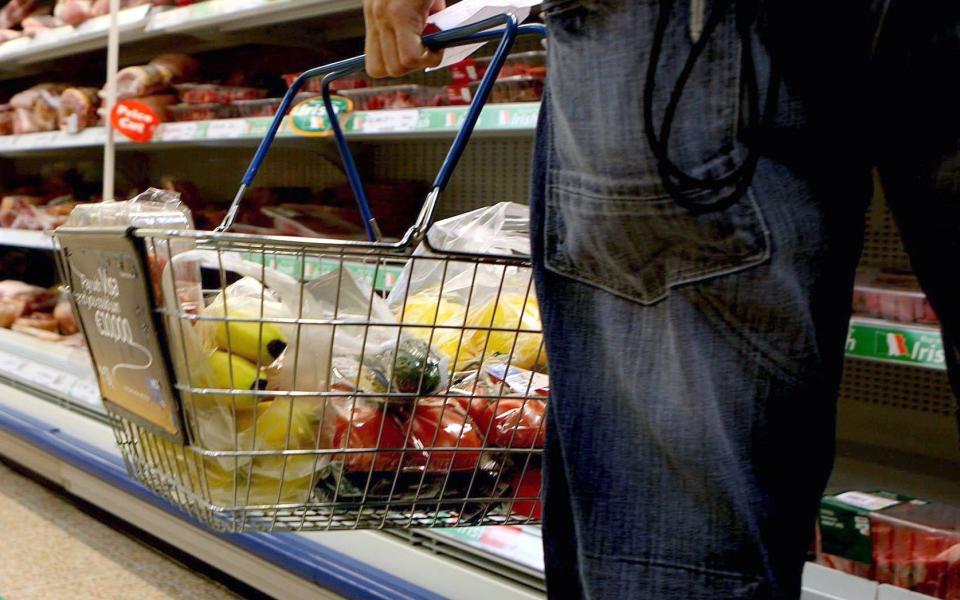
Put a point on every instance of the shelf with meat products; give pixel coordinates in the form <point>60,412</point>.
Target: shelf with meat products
<point>35,31</point>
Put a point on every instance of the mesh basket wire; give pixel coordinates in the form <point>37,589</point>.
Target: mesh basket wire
<point>433,418</point>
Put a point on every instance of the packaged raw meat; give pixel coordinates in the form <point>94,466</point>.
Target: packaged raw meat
<point>36,108</point>
<point>315,85</point>
<point>533,64</point>
<point>102,7</point>
<point>396,96</point>
<point>39,22</point>
<point>182,67</point>
<point>141,80</point>
<point>34,298</point>
<point>9,34</point>
<point>266,107</point>
<point>202,112</point>
<point>209,93</point>
<point>521,88</point>
<point>892,295</point>
<point>6,119</point>
<point>73,12</point>
<point>15,11</point>
<point>78,109</point>
<point>157,76</point>
<point>893,539</point>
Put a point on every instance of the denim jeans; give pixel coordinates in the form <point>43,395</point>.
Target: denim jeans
<point>695,357</point>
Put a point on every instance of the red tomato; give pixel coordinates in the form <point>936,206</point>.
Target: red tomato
<point>365,432</point>
<point>435,426</point>
<point>499,420</point>
<point>527,486</point>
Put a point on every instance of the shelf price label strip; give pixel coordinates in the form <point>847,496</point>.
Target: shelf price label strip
<point>896,343</point>
<point>83,391</point>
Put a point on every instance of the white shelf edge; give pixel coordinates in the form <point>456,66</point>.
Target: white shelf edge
<point>139,23</point>
<point>94,137</point>
<point>26,239</point>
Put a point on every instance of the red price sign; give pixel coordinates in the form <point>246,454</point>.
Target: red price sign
<point>135,120</point>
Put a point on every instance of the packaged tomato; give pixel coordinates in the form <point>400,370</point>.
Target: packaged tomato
<point>368,427</point>
<point>435,425</point>
<point>526,487</point>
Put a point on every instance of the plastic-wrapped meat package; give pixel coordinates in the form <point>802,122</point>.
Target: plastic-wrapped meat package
<point>73,12</point>
<point>36,108</point>
<point>102,7</point>
<point>15,11</point>
<point>78,109</point>
<point>39,22</point>
<point>6,119</point>
<point>892,539</point>
<point>154,77</point>
<point>892,295</point>
<point>9,34</point>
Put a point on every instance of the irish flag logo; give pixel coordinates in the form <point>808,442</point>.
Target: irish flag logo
<point>892,345</point>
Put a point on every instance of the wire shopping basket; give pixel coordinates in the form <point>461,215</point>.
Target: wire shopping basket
<point>312,397</point>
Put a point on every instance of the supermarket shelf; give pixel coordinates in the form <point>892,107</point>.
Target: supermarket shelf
<point>79,454</point>
<point>26,239</point>
<point>59,372</point>
<point>499,120</point>
<point>204,19</point>
<point>917,345</point>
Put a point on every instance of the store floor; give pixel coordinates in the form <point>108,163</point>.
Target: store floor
<point>51,549</point>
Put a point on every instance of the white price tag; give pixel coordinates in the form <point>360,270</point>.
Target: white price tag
<point>177,132</point>
<point>46,377</point>
<point>86,391</point>
<point>227,128</point>
<point>389,121</point>
<point>10,364</point>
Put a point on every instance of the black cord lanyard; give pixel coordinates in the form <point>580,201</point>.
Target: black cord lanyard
<point>683,187</point>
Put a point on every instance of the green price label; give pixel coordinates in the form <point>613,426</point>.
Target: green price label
<point>897,344</point>
<point>309,118</point>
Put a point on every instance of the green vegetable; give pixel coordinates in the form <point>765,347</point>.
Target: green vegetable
<point>416,370</point>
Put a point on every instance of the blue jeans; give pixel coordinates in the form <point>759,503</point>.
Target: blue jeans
<point>695,357</point>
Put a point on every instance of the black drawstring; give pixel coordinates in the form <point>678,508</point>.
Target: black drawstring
<point>683,187</point>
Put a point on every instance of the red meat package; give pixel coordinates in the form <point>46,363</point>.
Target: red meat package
<point>892,295</point>
<point>892,539</point>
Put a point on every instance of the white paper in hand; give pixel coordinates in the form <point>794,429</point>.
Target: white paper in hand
<point>471,11</point>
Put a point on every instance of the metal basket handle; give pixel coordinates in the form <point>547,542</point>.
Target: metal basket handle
<point>476,32</point>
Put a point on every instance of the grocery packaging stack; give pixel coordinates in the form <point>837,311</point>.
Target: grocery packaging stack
<point>893,539</point>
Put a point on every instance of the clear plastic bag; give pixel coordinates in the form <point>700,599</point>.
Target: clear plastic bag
<point>483,310</point>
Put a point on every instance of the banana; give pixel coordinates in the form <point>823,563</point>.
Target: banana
<point>245,375</point>
<point>246,339</point>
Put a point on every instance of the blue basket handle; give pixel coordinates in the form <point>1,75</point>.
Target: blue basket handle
<point>474,33</point>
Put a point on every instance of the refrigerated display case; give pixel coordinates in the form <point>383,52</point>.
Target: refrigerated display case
<point>897,428</point>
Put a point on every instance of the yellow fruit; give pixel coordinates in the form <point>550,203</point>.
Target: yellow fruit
<point>253,341</point>
<point>232,372</point>
<point>275,418</point>
<point>512,311</point>
<point>427,308</point>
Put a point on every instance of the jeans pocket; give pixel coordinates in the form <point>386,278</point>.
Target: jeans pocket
<point>610,235</point>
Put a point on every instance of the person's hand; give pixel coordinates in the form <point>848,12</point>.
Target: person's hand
<point>394,28</point>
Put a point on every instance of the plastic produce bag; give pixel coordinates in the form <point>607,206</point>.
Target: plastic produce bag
<point>484,310</point>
